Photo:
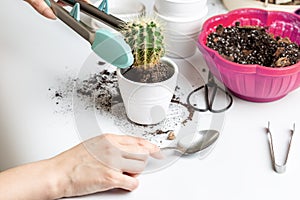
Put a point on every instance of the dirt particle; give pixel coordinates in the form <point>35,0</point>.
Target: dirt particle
<point>58,94</point>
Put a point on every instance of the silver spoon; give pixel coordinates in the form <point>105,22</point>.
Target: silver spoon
<point>191,144</point>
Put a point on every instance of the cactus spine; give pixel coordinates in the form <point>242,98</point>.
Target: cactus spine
<point>145,37</point>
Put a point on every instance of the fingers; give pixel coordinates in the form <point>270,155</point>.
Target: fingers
<point>42,8</point>
<point>126,153</point>
<point>140,146</point>
<point>135,153</point>
<point>133,166</point>
<point>154,150</point>
<point>125,182</point>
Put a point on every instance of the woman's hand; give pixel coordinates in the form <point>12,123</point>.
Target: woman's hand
<point>43,8</point>
<point>103,163</point>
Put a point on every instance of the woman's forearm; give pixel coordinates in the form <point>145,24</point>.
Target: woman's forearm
<point>31,181</point>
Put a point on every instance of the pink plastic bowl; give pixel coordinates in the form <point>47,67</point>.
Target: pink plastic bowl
<point>254,82</point>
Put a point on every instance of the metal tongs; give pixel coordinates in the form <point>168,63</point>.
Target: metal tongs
<point>279,168</point>
<point>110,47</point>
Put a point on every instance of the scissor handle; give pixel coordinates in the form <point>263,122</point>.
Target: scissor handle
<point>209,102</point>
<point>206,108</point>
<point>229,97</point>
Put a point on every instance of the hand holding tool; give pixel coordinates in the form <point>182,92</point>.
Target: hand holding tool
<point>110,47</point>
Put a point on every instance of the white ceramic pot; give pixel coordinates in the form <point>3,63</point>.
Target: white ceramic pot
<point>184,25</point>
<point>180,8</point>
<point>181,46</point>
<point>125,9</point>
<point>147,103</point>
<point>237,4</point>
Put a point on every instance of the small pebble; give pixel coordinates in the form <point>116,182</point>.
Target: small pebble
<point>171,136</point>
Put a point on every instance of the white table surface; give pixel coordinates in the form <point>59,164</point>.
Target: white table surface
<point>37,54</point>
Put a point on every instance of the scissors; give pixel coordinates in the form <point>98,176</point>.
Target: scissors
<point>211,90</point>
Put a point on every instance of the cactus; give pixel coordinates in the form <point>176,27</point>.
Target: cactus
<point>145,37</point>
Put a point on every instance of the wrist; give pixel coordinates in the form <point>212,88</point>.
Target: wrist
<point>57,179</point>
<point>60,175</point>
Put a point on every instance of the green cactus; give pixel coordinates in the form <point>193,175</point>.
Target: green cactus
<point>146,39</point>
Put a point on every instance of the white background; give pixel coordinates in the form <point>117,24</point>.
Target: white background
<point>37,54</point>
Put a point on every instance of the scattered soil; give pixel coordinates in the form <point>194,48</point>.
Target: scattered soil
<point>62,95</point>
<point>190,109</point>
<point>158,132</point>
<point>253,45</point>
<point>101,88</point>
<point>157,73</point>
<point>99,93</point>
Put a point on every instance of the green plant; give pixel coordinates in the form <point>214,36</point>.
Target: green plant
<point>146,39</point>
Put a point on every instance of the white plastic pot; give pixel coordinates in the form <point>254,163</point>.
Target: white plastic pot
<point>181,46</point>
<point>125,9</point>
<point>184,25</point>
<point>180,8</point>
<point>237,4</point>
<point>147,103</point>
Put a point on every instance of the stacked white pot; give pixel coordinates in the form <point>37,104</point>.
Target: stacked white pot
<point>182,21</point>
<point>126,10</point>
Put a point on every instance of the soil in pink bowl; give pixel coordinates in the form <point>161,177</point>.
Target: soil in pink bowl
<point>247,79</point>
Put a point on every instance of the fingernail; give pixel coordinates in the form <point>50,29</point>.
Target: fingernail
<point>158,155</point>
<point>49,14</point>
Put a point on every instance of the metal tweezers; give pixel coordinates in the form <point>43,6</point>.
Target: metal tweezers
<point>277,167</point>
